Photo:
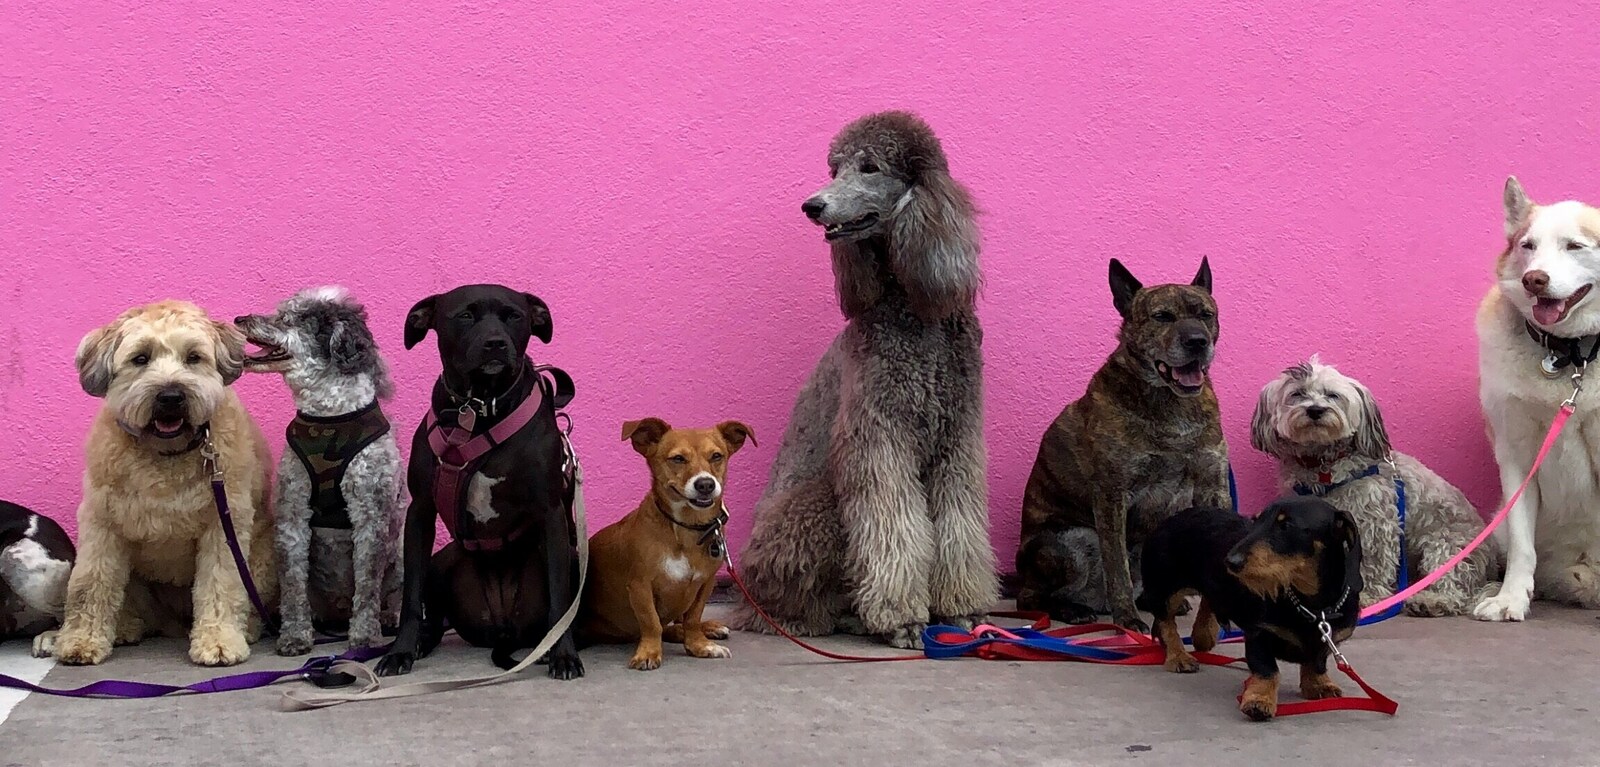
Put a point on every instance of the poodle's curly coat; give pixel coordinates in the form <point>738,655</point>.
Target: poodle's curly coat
<point>875,517</point>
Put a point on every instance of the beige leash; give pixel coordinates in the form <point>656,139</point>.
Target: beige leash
<point>373,689</point>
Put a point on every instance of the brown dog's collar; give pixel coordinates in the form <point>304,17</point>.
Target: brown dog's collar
<point>710,533</point>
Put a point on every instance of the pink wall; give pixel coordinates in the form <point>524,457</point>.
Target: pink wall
<point>642,170</point>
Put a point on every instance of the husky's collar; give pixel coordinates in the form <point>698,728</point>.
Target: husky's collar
<point>1560,352</point>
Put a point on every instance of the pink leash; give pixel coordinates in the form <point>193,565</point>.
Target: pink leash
<point>1556,425</point>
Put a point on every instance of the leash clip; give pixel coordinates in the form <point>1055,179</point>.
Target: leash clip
<point>208,458</point>
<point>319,671</point>
<point>1577,386</point>
<point>1324,628</point>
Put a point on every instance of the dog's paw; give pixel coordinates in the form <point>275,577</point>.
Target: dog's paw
<point>81,650</point>
<point>569,667</point>
<point>290,645</point>
<point>907,637</point>
<point>219,647</point>
<point>1181,663</point>
<point>395,664</point>
<point>645,660</point>
<point>963,622</point>
<point>710,650</point>
<point>1318,686</point>
<point>715,630</point>
<point>1258,709</point>
<point>1502,607</point>
<point>1132,623</point>
<point>44,645</point>
<point>1425,605</point>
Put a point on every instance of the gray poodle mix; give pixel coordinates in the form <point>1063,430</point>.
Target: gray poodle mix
<point>339,498</point>
<point>875,517</point>
<point>1327,433</point>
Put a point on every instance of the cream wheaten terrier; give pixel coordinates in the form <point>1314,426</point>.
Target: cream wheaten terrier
<point>152,557</point>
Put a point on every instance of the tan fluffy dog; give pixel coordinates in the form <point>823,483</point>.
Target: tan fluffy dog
<point>151,552</point>
<point>652,571</point>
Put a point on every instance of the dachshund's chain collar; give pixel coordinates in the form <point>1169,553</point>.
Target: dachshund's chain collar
<point>1320,620</point>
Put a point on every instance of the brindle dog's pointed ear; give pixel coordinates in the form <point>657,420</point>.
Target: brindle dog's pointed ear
<point>419,321</point>
<point>1123,287</point>
<point>1202,278</point>
<point>645,433</point>
<point>538,317</point>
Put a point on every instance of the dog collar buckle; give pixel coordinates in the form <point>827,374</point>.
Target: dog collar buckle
<point>208,457</point>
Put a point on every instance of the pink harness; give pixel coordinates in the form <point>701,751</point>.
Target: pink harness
<point>459,454</point>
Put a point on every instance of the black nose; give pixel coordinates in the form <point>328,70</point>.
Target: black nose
<point>1316,412</point>
<point>1235,562</point>
<point>705,485</point>
<point>171,398</point>
<point>813,208</point>
<point>241,319</point>
<point>1196,343</point>
<point>496,345</point>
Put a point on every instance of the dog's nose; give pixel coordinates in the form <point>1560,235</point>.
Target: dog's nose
<point>1196,344</point>
<point>1316,412</point>
<point>1535,281</point>
<point>496,345</point>
<point>241,319</point>
<point>173,398</point>
<point>1235,562</point>
<point>705,486</point>
<point>813,208</point>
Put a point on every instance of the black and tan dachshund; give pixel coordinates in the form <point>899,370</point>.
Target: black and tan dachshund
<point>1297,564</point>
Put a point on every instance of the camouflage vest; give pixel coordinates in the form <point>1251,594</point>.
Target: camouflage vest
<point>325,446</point>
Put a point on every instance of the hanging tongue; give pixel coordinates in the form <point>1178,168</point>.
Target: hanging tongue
<point>1548,311</point>
<point>1190,375</point>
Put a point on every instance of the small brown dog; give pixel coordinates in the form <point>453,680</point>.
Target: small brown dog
<point>651,572</point>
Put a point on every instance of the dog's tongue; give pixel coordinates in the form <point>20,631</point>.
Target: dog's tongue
<point>167,427</point>
<point>1189,375</point>
<point>1547,311</point>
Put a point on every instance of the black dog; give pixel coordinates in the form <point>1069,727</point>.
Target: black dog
<point>511,571</point>
<point>1277,578</point>
<point>35,561</point>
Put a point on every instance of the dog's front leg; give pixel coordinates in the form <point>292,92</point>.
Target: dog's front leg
<point>964,585</point>
<point>1260,698</point>
<point>695,641</point>
<point>369,528</point>
<point>294,565</point>
<point>1517,535</point>
<point>95,591</point>
<point>1208,476</point>
<point>885,514</point>
<point>561,574</point>
<point>642,598</point>
<point>1111,525</point>
<point>221,606</point>
<point>418,547</point>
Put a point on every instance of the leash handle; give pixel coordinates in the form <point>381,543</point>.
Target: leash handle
<point>1560,421</point>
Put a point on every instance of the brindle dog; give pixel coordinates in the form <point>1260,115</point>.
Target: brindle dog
<point>1143,443</point>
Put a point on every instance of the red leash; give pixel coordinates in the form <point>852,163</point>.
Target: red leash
<point>727,557</point>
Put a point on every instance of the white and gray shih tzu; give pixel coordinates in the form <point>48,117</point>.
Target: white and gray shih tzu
<point>1328,436</point>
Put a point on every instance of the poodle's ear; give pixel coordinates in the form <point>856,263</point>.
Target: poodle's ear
<point>1371,437</point>
<point>1518,206</point>
<point>1202,278</point>
<point>855,278</point>
<point>538,317</point>
<point>419,321</point>
<point>1263,424</point>
<point>934,245</point>
<point>735,433</point>
<point>1124,286</point>
<point>229,351</point>
<point>351,347</point>
<point>645,433</point>
<point>96,353</point>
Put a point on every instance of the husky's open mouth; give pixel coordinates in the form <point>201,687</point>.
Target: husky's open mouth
<point>835,231</point>
<point>1186,379</point>
<point>1549,311</point>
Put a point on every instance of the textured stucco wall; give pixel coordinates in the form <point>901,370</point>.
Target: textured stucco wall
<point>641,168</point>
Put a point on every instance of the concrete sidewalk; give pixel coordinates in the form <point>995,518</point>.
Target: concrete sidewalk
<point>1470,693</point>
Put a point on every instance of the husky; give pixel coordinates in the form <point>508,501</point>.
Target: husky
<point>1539,328</point>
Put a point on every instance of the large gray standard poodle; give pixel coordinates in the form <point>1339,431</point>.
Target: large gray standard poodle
<point>875,517</point>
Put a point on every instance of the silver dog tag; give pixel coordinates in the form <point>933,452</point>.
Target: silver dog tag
<point>1548,367</point>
